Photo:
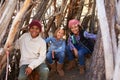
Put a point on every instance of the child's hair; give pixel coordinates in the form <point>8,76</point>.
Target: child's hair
<point>74,22</point>
<point>60,28</point>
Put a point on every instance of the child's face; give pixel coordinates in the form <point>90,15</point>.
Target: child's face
<point>60,34</point>
<point>74,29</point>
<point>34,31</point>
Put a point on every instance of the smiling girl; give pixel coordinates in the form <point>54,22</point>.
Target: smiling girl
<point>78,44</point>
<point>56,50</point>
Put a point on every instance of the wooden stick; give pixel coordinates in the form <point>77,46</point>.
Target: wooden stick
<point>107,45</point>
<point>14,27</point>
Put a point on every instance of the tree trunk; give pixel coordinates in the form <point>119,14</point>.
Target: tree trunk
<point>117,22</point>
<point>49,25</point>
<point>80,8</point>
<point>107,46</point>
<point>110,12</point>
<point>61,13</point>
<point>6,17</point>
<point>14,28</point>
<point>116,75</point>
<point>97,67</point>
<point>118,11</point>
<point>41,8</point>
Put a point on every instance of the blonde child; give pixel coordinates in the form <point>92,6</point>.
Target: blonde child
<point>56,50</point>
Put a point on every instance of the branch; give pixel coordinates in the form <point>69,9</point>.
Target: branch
<point>107,45</point>
<point>14,27</point>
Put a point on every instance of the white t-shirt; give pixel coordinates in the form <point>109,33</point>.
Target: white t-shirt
<point>33,50</point>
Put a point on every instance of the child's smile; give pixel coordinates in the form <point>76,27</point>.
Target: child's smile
<point>75,29</point>
<point>34,31</point>
<point>60,34</point>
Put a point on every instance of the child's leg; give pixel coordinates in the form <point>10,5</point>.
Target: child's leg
<point>22,75</point>
<point>49,57</point>
<point>70,57</point>
<point>81,58</point>
<point>60,56</point>
<point>51,63</point>
<point>43,71</point>
<point>69,54</point>
<point>81,55</point>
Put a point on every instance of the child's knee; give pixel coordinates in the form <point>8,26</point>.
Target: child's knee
<point>45,71</point>
<point>62,55</point>
<point>22,77</point>
<point>44,74</point>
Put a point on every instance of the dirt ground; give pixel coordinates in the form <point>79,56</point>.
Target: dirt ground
<point>72,74</point>
<point>69,75</point>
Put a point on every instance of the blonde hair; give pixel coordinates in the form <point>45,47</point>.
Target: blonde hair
<point>59,28</point>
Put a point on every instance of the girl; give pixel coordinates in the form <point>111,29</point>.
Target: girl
<point>78,44</point>
<point>56,50</point>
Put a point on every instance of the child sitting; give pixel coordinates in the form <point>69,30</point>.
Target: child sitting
<point>56,50</point>
<point>33,52</point>
<point>78,44</point>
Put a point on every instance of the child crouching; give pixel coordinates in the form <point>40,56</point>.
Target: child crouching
<point>56,50</point>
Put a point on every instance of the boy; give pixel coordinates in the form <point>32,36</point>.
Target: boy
<point>33,52</point>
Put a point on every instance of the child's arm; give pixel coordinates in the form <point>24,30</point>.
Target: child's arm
<point>47,40</point>
<point>70,44</point>
<point>72,47</point>
<point>75,51</point>
<point>41,58</point>
<point>89,35</point>
<point>5,52</point>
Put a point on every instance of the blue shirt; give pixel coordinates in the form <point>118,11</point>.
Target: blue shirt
<point>56,45</point>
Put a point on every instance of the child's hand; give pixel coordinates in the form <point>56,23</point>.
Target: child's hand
<point>28,71</point>
<point>8,48</point>
<point>75,52</point>
<point>53,53</point>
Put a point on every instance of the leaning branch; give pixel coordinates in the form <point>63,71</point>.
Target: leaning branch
<point>14,28</point>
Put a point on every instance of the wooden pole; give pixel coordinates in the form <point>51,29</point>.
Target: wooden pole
<point>116,75</point>
<point>16,22</point>
<point>14,28</point>
<point>107,45</point>
<point>6,16</point>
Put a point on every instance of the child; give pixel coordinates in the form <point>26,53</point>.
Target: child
<point>78,44</point>
<point>33,52</point>
<point>56,51</point>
